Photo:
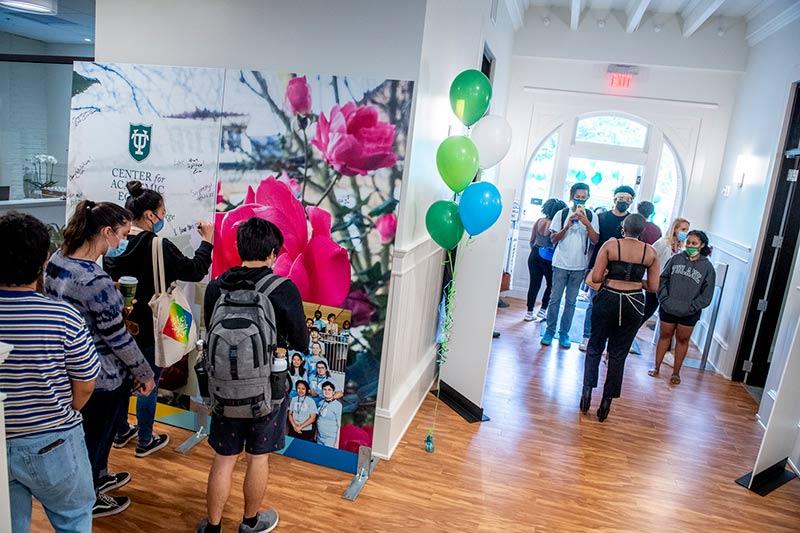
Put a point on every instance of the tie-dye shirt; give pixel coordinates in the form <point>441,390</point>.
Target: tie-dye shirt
<point>91,291</point>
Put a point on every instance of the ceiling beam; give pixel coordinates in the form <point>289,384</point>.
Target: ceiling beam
<point>699,15</point>
<point>516,10</point>
<point>575,14</point>
<point>635,12</point>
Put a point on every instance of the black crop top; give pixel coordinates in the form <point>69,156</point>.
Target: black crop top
<point>624,271</point>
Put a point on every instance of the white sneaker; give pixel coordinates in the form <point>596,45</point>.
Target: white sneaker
<point>541,315</point>
<point>584,344</point>
<point>529,317</point>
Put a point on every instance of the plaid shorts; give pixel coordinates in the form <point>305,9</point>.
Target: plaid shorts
<point>256,436</point>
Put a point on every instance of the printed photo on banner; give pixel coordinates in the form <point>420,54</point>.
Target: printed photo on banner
<point>322,157</point>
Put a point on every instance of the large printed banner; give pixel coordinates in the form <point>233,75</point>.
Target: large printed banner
<point>321,156</point>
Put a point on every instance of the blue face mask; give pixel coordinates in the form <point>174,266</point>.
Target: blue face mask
<point>578,202</point>
<point>158,226</point>
<point>682,235</point>
<point>119,250</point>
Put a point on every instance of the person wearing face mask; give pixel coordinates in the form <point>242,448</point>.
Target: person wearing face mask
<point>73,275</point>
<point>686,288</point>
<point>667,246</point>
<point>610,224</point>
<point>572,230</point>
<point>136,260</point>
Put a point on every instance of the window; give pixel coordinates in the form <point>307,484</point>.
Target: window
<point>667,194</point>
<point>602,176</point>
<point>537,179</point>
<point>613,130</point>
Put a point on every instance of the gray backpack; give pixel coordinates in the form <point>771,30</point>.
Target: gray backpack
<point>242,338</point>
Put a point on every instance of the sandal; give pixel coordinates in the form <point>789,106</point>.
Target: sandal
<point>653,373</point>
<point>675,379</point>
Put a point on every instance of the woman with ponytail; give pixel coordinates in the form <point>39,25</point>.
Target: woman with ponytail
<point>149,212</point>
<point>686,288</point>
<point>73,275</point>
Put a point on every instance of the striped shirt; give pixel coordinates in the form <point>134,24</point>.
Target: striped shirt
<point>51,347</point>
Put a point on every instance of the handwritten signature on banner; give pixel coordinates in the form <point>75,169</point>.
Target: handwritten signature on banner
<point>204,192</point>
<point>194,164</point>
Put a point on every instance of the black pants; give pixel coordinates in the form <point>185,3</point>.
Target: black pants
<point>650,305</point>
<point>539,268</point>
<point>99,425</point>
<point>616,317</point>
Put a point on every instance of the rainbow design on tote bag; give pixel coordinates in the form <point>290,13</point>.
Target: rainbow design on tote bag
<point>178,324</point>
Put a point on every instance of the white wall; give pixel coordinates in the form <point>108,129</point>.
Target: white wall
<point>453,41</point>
<point>752,146</point>
<point>358,36</point>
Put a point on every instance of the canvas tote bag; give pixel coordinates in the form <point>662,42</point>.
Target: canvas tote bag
<point>174,327</point>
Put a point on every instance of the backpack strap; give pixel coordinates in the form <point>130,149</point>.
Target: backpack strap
<point>268,284</point>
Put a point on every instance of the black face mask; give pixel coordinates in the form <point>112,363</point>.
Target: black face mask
<point>622,206</point>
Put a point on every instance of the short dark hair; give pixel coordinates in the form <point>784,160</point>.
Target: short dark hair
<point>578,187</point>
<point>625,189</point>
<point>302,382</point>
<point>329,384</point>
<point>646,209</point>
<point>552,206</point>
<point>331,315</point>
<point>633,225</point>
<point>26,244</point>
<point>705,250</point>
<point>317,314</point>
<point>257,239</point>
<point>141,199</point>
<point>89,219</point>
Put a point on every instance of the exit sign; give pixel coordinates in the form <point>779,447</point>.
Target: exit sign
<point>621,76</point>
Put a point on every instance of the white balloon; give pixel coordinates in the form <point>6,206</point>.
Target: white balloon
<point>492,137</point>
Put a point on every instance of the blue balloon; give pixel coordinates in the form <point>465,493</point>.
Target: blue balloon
<point>480,207</point>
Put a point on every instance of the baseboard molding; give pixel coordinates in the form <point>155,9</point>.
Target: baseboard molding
<point>396,443</point>
<point>462,405</point>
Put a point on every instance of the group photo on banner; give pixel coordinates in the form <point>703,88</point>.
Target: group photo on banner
<point>200,152</point>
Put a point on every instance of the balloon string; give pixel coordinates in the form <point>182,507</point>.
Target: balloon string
<point>444,345</point>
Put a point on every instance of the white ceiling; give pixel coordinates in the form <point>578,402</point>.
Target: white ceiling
<point>728,8</point>
<point>73,24</point>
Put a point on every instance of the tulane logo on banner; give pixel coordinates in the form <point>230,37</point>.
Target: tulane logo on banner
<point>139,141</point>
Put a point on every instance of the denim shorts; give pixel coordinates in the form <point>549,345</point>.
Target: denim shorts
<point>54,468</point>
<point>256,436</point>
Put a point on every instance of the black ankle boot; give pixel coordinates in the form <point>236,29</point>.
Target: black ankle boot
<point>586,399</point>
<point>605,407</point>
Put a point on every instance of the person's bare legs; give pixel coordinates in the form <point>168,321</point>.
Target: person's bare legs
<point>682,335</point>
<point>219,486</point>
<point>664,339</point>
<point>255,483</point>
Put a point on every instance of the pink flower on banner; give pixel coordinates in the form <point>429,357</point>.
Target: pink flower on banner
<point>352,437</point>
<point>361,307</point>
<point>387,227</point>
<point>355,141</point>
<point>298,96</point>
<point>318,266</point>
<point>220,199</point>
<point>293,184</point>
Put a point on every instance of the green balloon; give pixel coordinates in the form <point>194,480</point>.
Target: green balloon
<point>470,94</point>
<point>444,224</point>
<point>457,161</point>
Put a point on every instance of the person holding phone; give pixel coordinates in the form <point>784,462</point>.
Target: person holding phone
<point>47,378</point>
<point>73,275</point>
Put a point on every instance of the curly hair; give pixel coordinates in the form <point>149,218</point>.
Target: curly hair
<point>552,206</point>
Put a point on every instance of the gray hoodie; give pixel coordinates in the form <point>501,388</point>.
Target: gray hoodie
<point>686,287</point>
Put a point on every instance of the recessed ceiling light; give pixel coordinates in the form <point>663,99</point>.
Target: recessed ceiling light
<point>87,40</point>
<point>39,7</point>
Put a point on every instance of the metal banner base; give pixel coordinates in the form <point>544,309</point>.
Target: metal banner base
<point>200,416</point>
<point>366,464</point>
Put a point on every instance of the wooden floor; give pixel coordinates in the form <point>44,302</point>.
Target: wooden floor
<point>665,460</point>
